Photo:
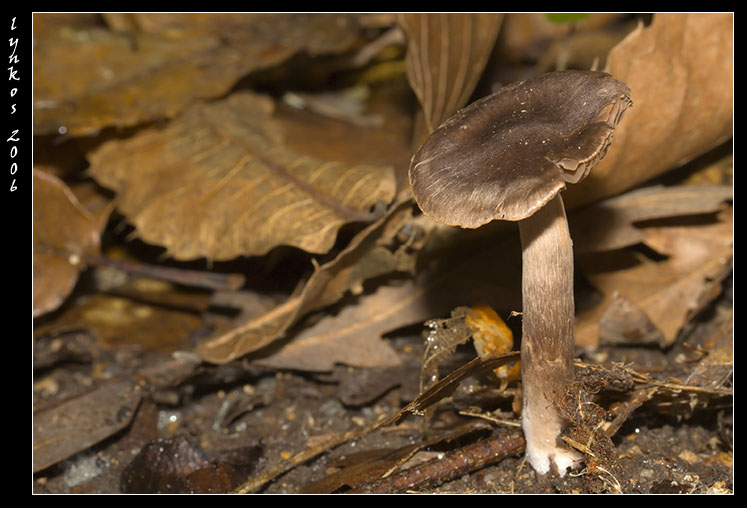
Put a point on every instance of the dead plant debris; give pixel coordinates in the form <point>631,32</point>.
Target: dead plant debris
<point>231,279</point>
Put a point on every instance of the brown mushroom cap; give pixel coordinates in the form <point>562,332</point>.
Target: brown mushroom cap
<point>506,155</point>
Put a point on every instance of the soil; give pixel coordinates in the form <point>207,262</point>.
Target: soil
<point>235,422</point>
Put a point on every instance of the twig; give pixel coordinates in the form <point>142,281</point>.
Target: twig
<point>193,278</point>
<point>641,378</point>
<point>449,466</point>
<point>391,37</point>
<point>490,418</point>
<point>644,379</point>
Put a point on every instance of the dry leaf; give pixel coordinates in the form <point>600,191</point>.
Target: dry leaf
<point>670,292</point>
<point>441,338</point>
<point>622,322</point>
<point>46,22</point>
<point>680,71</point>
<point>330,139</point>
<point>492,336</point>
<point>219,183</point>
<point>446,55</point>
<point>719,170</point>
<point>526,35</point>
<point>586,49</point>
<point>77,424</point>
<point>612,223</point>
<point>351,337</point>
<point>93,199</point>
<point>403,302</point>
<point>85,80</point>
<point>373,252</point>
<point>63,232</point>
<point>117,321</point>
<point>315,34</point>
<point>716,369</point>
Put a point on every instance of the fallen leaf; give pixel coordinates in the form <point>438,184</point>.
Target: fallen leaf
<point>403,302</point>
<point>446,55</point>
<point>330,139</point>
<point>351,337</point>
<point>614,222</point>
<point>680,72</point>
<point>64,231</point>
<point>716,369</point>
<point>93,199</point>
<point>717,170</point>
<point>624,323</point>
<point>46,22</point>
<point>117,321</point>
<point>88,79</point>
<point>583,49</point>
<point>441,338</point>
<point>526,35</point>
<point>219,183</point>
<point>671,291</point>
<point>373,252</point>
<point>491,336</point>
<point>315,34</point>
<point>77,424</point>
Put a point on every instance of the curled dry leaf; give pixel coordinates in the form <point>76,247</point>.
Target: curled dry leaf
<point>64,231</point>
<point>403,302</point>
<point>680,71</point>
<point>446,55</point>
<point>351,337</point>
<point>219,183</point>
<point>373,252</point>
<point>85,80</point>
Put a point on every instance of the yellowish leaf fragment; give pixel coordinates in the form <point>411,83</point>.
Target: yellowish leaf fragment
<point>491,335</point>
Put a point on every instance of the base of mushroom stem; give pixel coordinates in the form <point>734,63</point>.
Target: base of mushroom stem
<point>544,454</point>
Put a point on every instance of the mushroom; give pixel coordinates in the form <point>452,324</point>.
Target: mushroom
<point>507,156</point>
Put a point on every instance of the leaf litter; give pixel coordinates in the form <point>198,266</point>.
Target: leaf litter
<point>218,183</point>
<point>124,79</point>
<point>654,294</point>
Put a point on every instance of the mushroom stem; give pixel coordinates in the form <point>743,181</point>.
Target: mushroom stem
<point>547,336</point>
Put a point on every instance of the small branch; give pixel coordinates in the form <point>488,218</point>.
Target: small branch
<point>491,418</point>
<point>680,387</point>
<point>193,278</point>
<point>645,379</point>
<point>392,37</point>
<point>451,465</point>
